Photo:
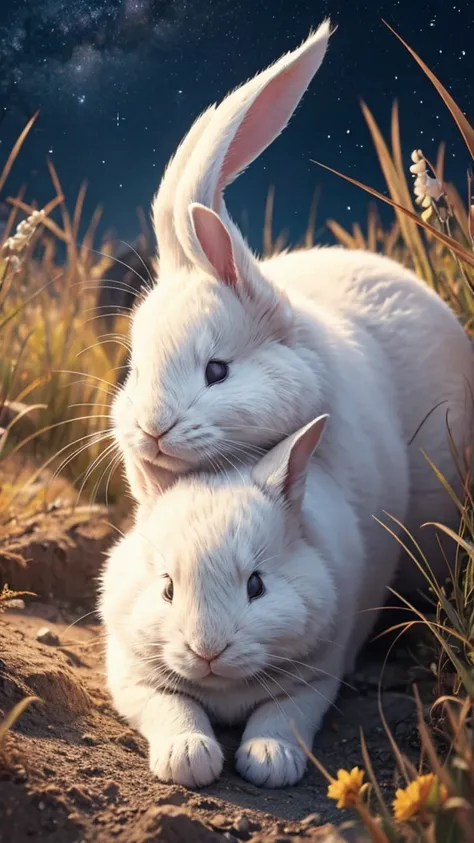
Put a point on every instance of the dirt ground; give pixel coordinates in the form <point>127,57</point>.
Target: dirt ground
<point>72,772</point>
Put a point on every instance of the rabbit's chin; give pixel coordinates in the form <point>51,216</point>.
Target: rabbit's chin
<point>222,676</point>
<point>215,682</point>
<point>155,465</point>
<point>165,462</point>
<point>177,458</point>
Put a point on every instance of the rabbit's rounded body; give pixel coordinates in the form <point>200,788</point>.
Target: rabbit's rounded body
<point>206,650</point>
<point>429,360</point>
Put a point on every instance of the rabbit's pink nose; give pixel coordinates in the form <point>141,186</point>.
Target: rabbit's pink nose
<point>208,655</point>
<point>156,434</point>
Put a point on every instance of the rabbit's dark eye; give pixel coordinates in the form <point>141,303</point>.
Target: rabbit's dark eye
<point>168,591</point>
<point>216,372</point>
<point>255,587</point>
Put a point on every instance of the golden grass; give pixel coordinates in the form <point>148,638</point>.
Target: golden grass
<point>7,595</point>
<point>58,362</point>
<point>13,715</point>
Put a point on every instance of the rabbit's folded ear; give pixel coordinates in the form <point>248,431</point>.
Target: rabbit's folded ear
<point>243,125</point>
<point>171,253</point>
<point>282,472</point>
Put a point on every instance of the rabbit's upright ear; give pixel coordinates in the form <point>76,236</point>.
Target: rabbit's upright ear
<point>242,126</point>
<point>216,244</point>
<point>282,471</point>
<point>171,253</point>
<point>227,258</point>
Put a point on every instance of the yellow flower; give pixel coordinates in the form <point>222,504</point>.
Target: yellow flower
<point>347,787</point>
<point>409,801</point>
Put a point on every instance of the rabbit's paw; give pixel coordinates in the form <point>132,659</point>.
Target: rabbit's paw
<point>191,759</point>
<point>270,762</point>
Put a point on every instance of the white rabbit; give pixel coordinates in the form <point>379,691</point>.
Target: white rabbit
<point>231,353</point>
<point>240,598</point>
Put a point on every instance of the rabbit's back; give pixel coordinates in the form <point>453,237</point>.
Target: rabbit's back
<point>428,356</point>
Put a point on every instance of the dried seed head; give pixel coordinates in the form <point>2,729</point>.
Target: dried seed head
<point>24,231</point>
<point>427,213</point>
<point>13,263</point>
<point>426,188</point>
<point>417,155</point>
<point>419,167</point>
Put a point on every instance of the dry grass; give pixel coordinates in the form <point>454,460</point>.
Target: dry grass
<point>7,596</point>
<point>59,363</point>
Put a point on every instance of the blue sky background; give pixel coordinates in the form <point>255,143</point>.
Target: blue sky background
<point>118,83</point>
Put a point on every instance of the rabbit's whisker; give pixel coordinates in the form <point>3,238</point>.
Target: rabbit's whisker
<point>270,678</point>
<point>299,679</point>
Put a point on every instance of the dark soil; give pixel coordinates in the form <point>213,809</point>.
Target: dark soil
<point>72,772</point>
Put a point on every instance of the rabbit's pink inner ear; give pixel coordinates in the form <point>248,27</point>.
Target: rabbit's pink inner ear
<point>215,242</point>
<point>302,449</point>
<point>270,112</point>
<point>282,471</point>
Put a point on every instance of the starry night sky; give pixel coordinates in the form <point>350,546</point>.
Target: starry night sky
<point>118,83</point>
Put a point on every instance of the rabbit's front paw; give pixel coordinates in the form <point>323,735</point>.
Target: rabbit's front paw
<point>270,762</point>
<point>191,759</point>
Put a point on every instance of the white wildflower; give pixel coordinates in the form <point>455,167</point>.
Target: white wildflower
<point>24,231</point>
<point>426,188</point>
<point>431,187</point>
<point>419,163</point>
<point>13,263</point>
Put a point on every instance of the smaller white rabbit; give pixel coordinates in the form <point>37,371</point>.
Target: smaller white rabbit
<point>241,599</point>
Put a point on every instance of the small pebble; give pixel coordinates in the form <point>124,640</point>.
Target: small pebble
<point>15,603</point>
<point>311,819</point>
<point>80,796</point>
<point>89,739</point>
<point>91,771</point>
<point>220,821</point>
<point>47,636</point>
<point>111,789</point>
<point>128,740</point>
<point>52,789</point>
<point>242,824</point>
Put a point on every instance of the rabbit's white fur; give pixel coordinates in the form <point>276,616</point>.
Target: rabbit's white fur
<point>323,559</point>
<point>292,328</point>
